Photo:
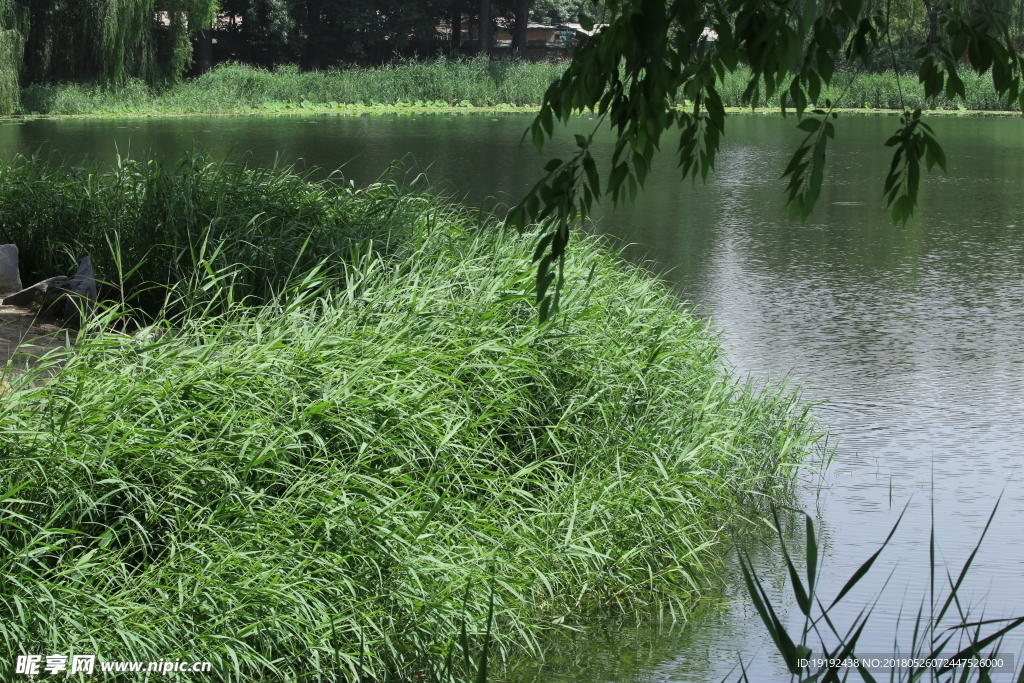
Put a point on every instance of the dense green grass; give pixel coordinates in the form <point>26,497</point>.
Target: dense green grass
<point>884,91</point>
<point>332,480</point>
<point>235,88</point>
<point>167,219</point>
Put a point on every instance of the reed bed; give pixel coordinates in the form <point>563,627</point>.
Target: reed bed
<point>433,84</point>
<point>151,223</point>
<point>237,88</point>
<point>884,90</point>
<point>338,482</point>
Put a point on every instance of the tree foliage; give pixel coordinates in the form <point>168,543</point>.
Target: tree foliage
<point>653,71</point>
<point>562,11</point>
<point>111,40</point>
<point>13,27</point>
<point>317,32</point>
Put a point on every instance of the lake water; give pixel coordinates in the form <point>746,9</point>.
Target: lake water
<point>911,337</point>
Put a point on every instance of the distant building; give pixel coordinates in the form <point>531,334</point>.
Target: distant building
<point>543,41</point>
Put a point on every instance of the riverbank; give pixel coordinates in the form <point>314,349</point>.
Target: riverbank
<point>439,86</point>
<point>312,110</point>
<point>330,478</point>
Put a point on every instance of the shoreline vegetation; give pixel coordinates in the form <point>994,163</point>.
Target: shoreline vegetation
<point>437,86</point>
<point>330,439</point>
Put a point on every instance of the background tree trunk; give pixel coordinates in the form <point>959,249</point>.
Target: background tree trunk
<point>456,27</point>
<point>204,51</point>
<point>933,20</point>
<point>519,34</point>
<point>485,28</point>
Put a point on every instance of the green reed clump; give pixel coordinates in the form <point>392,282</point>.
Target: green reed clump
<point>238,88</point>
<point>325,487</point>
<point>165,218</point>
<point>132,96</point>
<point>241,88</point>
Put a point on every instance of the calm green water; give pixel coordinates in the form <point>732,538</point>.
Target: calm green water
<point>913,337</point>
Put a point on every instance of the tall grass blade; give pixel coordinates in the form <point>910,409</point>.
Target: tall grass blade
<point>804,598</point>
<point>955,587</point>
<point>864,568</point>
<point>812,555</point>
<point>484,660</point>
<point>787,648</point>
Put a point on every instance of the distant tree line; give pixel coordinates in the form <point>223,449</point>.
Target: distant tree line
<point>161,41</point>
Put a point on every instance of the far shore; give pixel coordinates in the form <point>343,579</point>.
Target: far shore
<point>300,110</point>
<point>445,87</point>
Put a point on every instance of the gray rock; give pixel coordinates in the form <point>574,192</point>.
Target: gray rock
<point>33,296</point>
<point>61,297</point>
<point>10,277</point>
<point>81,293</point>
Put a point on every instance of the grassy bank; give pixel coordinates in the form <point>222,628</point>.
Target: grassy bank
<point>870,91</point>
<point>437,85</point>
<point>331,481</point>
<point>234,88</point>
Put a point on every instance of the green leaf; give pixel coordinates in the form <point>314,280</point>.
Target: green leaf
<point>851,7</point>
<point>812,555</point>
<point>538,136</point>
<point>618,175</point>
<point>776,630</point>
<point>809,125</point>
<point>935,154</point>
<point>975,648</point>
<point>546,119</point>
<point>859,574</point>
<point>803,598</point>
<point>813,86</point>
<point>826,67</point>
<point>590,168</point>
<point>516,218</point>
<point>481,672</point>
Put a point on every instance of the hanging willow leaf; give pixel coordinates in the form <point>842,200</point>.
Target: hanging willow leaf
<point>914,141</point>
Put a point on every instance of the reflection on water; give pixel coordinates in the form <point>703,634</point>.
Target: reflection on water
<point>911,336</point>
